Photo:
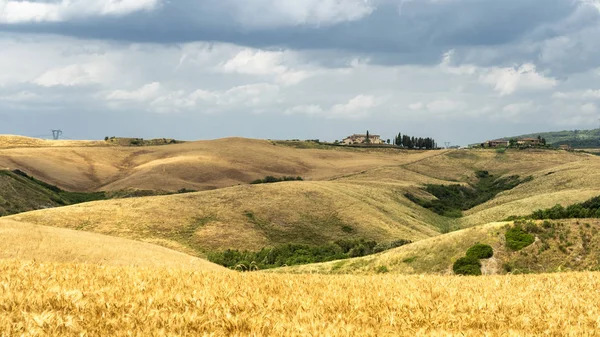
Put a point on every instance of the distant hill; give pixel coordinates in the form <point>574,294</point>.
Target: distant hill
<point>576,138</point>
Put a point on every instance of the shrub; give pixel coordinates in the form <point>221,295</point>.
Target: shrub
<point>451,200</point>
<point>382,270</point>
<point>347,229</point>
<point>293,254</point>
<point>480,251</point>
<point>272,179</point>
<point>467,265</point>
<point>517,238</point>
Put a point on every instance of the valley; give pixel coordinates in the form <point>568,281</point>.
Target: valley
<point>158,215</point>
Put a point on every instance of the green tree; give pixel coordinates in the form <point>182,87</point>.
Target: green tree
<point>512,142</point>
<point>368,139</point>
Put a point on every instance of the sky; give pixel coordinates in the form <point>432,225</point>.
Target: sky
<point>461,71</point>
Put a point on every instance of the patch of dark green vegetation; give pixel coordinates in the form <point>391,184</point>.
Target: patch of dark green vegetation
<point>141,141</point>
<point>295,254</point>
<point>347,229</point>
<point>481,251</point>
<point>467,265</point>
<point>410,259</point>
<point>586,209</point>
<point>470,264</point>
<point>518,238</point>
<point>20,192</point>
<point>272,179</point>
<point>452,200</point>
<point>555,247</point>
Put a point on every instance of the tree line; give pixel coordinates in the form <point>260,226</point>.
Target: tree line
<point>415,142</point>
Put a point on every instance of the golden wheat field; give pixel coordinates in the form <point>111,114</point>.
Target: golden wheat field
<point>89,300</point>
<point>49,244</point>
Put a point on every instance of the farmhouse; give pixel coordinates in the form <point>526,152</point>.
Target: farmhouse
<point>496,143</point>
<point>529,141</point>
<point>362,139</point>
<point>565,147</point>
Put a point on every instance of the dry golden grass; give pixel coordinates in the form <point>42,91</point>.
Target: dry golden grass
<point>430,256</point>
<point>12,141</point>
<point>73,300</point>
<point>311,212</point>
<point>370,198</point>
<point>32,242</point>
<point>202,165</point>
<point>436,255</point>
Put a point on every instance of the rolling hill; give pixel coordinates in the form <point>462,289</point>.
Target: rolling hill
<point>575,138</point>
<point>560,245</point>
<point>23,241</point>
<point>20,193</point>
<point>369,202</point>
<point>202,165</point>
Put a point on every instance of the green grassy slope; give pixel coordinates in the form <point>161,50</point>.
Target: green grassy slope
<point>559,245</point>
<point>21,193</point>
<point>575,138</point>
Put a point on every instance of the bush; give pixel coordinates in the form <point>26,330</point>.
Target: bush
<point>467,265</point>
<point>294,254</point>
<point>480,251</point>
<point>517,238</point>
<point>272,179</point>
<point>451,200</point>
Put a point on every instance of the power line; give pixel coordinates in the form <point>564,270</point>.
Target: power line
<point>56,134</point>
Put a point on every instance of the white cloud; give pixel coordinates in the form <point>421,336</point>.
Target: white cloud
<point>74,75</point>
<point>594,3</point>
<point>248,96</point>
<point>577,95</point>
<point>305,109</point>
<point>595,94</point>
<point>416,106</point>
<point>12,11</point>
<point>589,108</point>
<point>277,13</point>
<point>143,94</point>
<point>258,62</point>
<point>515,109</point>
<point>358,107</point>
<point>446,66</point>
<point>445,106</point>
<point>507,81</point>
<point>21,96</point>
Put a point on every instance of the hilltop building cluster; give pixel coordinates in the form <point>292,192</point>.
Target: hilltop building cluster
<point>362,139</point>
<point>514,142</point>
